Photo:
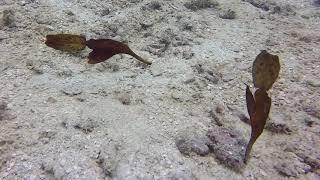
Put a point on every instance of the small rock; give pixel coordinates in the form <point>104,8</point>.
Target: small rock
<point>51,100</point>
<point>87,126</point>
<point>197,96</point>
<point>69,13</point>
<point>72,90</point>
<point>277,123</point>
<point>259,4</point>
<point>186,26</point>
<point>71,165</point>
<point>4,65</point>
<point>313,109</point>
<point>81,99</point>
<point>189,80</point>
<point>4,114</point>
<point>22,3</point>
<point>107,159</point>
<point>44,19</point>
<point>313,162</point>
<point>105,12</point>
<point>65,72</point>
<point>198,68</point>
<point>309,122</point>
<point>314,82</point>
<point>271,42</point>
<point>106,66</point>
<point>292,167</point>
<point>6,142</point>
<point>238,113</point>
<point>306,152</point>
<point>191,143</point>
<point>305,39</point>
<point>220,109</point>
<point>276,10</point>
<point>47,134</point>
<point>229,14</point>
<point>212,78</point>
<point>201,4</point>
<point>278,128</point>
<point>206,73</point>
<point>156,71</point>
<point>228,146</point>
<point>284,10</point>
<point>158,49</point>
<point>114,67</point>
<point>3,106</point>
<point>228,77</point>
<point>37,68</point>
<point>154,5</point>
<point>187,54</point>
<point>214,116</point>
<point>180,175</point>
<point>179,96</point>
<point>124,98</point>
<point>146,23</point>
<point>6,2</point>
<point>286,169</point>
<point>8,18</point>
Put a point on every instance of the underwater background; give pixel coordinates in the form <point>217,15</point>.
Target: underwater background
<point>182,117</point>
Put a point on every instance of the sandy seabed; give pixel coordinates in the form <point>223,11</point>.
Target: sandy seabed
<point>61,118</point>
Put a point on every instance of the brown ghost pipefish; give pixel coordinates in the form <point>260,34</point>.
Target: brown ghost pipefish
<point>102,49</point>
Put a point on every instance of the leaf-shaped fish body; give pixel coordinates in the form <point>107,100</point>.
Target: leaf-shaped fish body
<point>250,102</point>
<point>66,42</point>
<point>265,70</point>
<point>261,113</point>
<point>258,118</point>
<point>113,46</point>
<point>103,49</point>
<point>99,55</point>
